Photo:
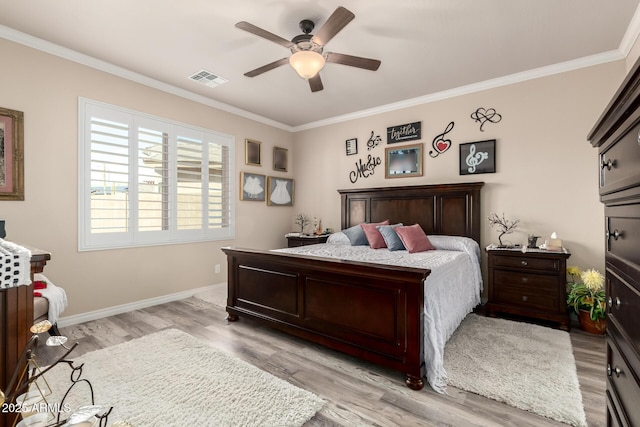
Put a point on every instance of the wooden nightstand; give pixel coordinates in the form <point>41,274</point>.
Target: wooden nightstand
<point>531,284</point>
<point>295,241</point>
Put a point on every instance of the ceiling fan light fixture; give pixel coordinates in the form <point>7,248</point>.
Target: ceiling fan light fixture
<point>307,63</point>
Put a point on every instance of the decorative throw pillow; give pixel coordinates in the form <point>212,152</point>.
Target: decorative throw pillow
<point>356,236</point>
<point>414,239</point>
<point>375,239</point>
<point>390,236</point>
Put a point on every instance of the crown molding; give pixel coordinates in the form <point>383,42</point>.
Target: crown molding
<point>535,73</point>
<point>631,35</point>
<point>98,64</point>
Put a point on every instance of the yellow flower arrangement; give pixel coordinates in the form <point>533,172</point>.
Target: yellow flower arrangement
<point>585,291</point>
<point>593,280</point>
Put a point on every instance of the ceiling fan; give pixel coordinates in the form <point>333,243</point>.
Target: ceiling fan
<point>307,56</point>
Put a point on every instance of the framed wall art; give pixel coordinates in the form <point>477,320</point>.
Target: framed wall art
<point>403,161</point>
<point>279,191</point>
<point>11,154</point>
<point>351,146</point>
<point>252,152</point>
<point>280,159</point>
<point>478,157</point>
<point>252,187</point>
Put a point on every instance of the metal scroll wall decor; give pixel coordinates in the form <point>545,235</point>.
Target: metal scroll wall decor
<point>482,116</point>
<point>364,170</point>
<point>440,143</point>
<point>373,141</point>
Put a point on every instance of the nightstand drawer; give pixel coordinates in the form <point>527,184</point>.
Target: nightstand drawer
<point>526,263</point>
<point>526,297</point>
<point>537,282</point>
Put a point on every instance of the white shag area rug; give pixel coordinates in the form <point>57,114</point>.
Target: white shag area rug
<point>527,366</point>
<point>170,378</point>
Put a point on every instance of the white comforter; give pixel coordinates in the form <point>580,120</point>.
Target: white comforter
<point>452,289</point>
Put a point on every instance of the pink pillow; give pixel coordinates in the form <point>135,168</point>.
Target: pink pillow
<point>414,239</point>
<point>376,241</point>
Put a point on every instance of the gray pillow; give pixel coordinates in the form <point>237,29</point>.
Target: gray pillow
<point>356,236</point>
<point>390,237</point>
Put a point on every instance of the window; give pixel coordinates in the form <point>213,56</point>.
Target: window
<point>145,180</point>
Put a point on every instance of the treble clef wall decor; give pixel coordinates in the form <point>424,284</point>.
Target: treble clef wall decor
<point>483,116</point>
<point>373,141</point>
<point>478,157</point>
<point>440,144</point>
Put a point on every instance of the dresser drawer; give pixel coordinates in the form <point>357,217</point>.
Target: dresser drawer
<point>620,163</point>
<point>623,303</point>
<point>624,384</point>
<point>536,282</point>
<point>622,231</point>
<point>525,297</point>
<point>526,263</point>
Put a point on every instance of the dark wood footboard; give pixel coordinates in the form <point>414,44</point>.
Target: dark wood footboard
<point>373,312</point>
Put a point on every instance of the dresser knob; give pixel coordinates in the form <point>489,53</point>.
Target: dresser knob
<point>610,302</point>
<point>608,164</point>
<point>608,370</point>
<point>617,371</point>
<point>525,298</point>
<point>616,234</point>
<point>524,263</point>
<point>525,280</point>
<point>618,302</point>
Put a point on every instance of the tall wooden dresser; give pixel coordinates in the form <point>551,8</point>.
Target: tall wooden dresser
<point>617,137</point>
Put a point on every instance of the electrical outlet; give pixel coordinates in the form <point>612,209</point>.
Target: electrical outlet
<point>217,268</point>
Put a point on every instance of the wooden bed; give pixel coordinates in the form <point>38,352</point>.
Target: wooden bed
<point>373,312</point>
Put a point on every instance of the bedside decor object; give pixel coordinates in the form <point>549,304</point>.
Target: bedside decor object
<point>252,187</point>
<point>553,243</point>
<point>503,225</point>
<point>478,157</point>
<point>587,299</point>
<point>531,285</point>
<point>351,146</point>
<point>302,221</point>
<point>532,241</point>
<point>252,152</point>
<point>280,159</point>
<point>279,191</point>
<point>11,154</point>
<point>403,161</point>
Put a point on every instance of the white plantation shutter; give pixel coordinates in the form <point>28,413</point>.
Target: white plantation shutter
<point>147,181</point>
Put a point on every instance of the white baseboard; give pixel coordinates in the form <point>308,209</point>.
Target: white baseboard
<point>119,309</point>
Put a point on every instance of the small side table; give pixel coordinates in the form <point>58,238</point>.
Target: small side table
<point>295,241</point>
<point>529,284</point>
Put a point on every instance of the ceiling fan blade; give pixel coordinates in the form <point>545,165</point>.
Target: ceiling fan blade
<point>243,25</point>
<point>268,67</point>
<point>316,83</point>
<point>336,22</point>
<point>353,61</point>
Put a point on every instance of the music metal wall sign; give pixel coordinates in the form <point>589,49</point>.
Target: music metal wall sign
<point>403,133</point>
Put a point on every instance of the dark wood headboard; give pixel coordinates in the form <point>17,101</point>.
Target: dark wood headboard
<point>452,209</point>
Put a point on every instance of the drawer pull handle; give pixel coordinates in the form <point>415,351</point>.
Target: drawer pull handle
<point>610,302</point>
<point>607,164</point>
<point>615,370</point>
<point>618,302</point>
<point>616,234</point>
<point>524,263</point>
<point>525,280</point>
<point>525,298</point>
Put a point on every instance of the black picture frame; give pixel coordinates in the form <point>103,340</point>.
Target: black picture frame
<point>478,157</point>
<point>351,146</point>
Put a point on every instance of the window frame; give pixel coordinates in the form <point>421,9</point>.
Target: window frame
<point>133,237</point>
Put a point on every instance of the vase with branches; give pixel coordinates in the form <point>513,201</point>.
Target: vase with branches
<point>302,221</point>
<point>503,225</point>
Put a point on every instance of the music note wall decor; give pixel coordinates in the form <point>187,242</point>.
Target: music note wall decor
<point>482,116</point>
<point>478,157</point>
<point>440,143</point>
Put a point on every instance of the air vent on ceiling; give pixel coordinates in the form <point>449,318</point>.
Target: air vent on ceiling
<point>207,78</point>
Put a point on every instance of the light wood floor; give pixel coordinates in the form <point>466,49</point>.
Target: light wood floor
<point>356,393</point>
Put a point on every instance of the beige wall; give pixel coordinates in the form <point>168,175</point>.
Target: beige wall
<point>546,170</point>
<point>46,88</point>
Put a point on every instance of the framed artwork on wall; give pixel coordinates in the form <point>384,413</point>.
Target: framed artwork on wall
<point>252,187</point>
<point>351,146</point>
<point>478,157</point>
<point>252,152</point>
<point>11,154</point>
<point>280,159</point>
<point>279,191</point>
<point>403,161</point>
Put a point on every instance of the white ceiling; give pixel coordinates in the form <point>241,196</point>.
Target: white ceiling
<point>427,47</point>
